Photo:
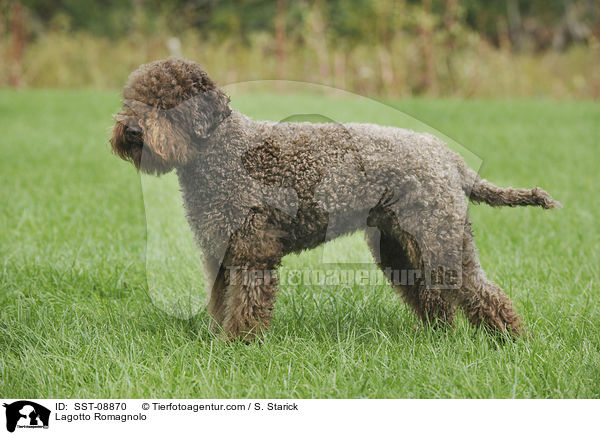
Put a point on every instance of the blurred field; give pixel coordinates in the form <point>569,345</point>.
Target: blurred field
<point>387,48</point>
<point>475,69</point>
<point>77,320</point>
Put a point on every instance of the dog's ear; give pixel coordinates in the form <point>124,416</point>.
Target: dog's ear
<point>209,109</point>
<point>154,140</point>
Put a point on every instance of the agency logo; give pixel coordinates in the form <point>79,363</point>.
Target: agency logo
<point>24,414</point>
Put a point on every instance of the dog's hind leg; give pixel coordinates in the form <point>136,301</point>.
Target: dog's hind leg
<point>482,300</point>
<point>399,257</point>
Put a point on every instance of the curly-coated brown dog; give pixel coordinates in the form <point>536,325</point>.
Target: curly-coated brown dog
<point>255,191</point>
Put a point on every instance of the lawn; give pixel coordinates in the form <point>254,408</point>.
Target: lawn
<point>80,317</point>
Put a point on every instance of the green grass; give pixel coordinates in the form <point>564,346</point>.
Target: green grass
<point>79,319</point>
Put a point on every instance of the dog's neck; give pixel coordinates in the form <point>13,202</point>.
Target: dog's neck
<point>233,126</point>
<point>236,135</point>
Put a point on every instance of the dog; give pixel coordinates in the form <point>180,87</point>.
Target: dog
<point>254,191</point>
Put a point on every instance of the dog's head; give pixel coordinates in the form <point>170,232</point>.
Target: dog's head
<point>169,107</point>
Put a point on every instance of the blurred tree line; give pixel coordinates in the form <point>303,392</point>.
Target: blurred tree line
<point>527,24</point>
<point>407,46</point>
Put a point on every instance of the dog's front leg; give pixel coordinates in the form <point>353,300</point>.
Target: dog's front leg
<point>249,300</point>
<point>251,283</point>
<point>215,281</point>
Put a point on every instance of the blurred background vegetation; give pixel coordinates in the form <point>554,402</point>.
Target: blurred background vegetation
<point>391,48</point>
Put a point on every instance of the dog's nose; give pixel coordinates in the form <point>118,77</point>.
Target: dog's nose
<point>133,128</point>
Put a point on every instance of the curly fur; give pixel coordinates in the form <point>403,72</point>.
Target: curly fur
<point>255,191</point>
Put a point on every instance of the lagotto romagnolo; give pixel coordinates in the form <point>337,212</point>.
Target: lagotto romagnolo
<point>255,191</point>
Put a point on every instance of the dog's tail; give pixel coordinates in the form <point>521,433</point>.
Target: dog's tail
<point>481,190</point>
